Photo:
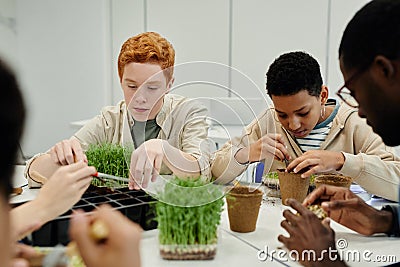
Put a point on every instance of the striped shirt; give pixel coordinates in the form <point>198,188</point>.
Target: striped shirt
<point>318,135</point>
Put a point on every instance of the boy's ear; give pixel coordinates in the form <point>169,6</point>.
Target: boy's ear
<point>384,66</point>
<point>324,94</point>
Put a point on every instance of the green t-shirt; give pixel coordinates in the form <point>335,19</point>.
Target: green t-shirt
<point>144,130</point>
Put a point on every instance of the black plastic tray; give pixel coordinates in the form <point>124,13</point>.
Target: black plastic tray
<point>138,206</point>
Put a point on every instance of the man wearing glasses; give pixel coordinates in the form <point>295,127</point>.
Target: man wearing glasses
<point>369,56</point>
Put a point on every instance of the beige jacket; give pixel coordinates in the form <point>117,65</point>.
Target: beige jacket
<point>182,121</point>
<point>372,164</point>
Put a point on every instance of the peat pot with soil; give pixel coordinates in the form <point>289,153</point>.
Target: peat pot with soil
<point>333,179</point>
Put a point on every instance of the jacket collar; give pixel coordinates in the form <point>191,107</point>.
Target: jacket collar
<point>344,114</point>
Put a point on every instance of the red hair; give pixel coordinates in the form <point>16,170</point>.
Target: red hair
<point>147,47</point>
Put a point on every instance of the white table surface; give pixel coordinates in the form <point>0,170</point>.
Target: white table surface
<point>268,229</point>
<point>19,180</point>
<point>241,249</point>
<point>231,251</point>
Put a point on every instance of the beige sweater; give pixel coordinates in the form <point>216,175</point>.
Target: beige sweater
<point>371,163</point>
<point>182,121</point>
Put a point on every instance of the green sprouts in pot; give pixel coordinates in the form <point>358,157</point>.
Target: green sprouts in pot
<point>189,225</point>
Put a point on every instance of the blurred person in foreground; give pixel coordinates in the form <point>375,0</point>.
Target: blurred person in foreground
<point>120,249</point>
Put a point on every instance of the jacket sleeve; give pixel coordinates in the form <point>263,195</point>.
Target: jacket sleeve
<point>194,135</point>
<point>374,166</point>
<point>224,166</point>
<point>395,229</point>
<point>88,134</point>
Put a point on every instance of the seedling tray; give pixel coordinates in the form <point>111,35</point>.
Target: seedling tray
<point>138,206</point>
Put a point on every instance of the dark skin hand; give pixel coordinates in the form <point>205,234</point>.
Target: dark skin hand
<point>344,207</point>
<point>307,232</point>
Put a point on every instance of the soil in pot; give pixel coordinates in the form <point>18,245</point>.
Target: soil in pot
<point>333,179</point>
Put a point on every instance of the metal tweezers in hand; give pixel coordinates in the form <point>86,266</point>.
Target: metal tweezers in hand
<point>107,177</point>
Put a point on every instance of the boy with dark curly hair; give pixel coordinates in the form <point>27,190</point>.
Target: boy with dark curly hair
<point>317,134</point>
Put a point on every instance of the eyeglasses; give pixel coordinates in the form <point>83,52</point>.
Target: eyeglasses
<point>345,94</point>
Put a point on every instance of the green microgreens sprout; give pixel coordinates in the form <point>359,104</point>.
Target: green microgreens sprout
<point>191,225</point>
<point>110,159</point>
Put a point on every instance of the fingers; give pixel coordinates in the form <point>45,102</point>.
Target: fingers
<point>309,172</point>
<point>290,228</point>
<point>120,245</point>
<point>157,168</point>
<point>137,170</point>
<point>315,195</point>
<point>284,240</point>
<point>273,145</point>
<point>19,263</point>
<point>317,161</point>
<point>328,192</point>
<point>79,170</point>
<point>116,222</point>
<point>134,163</point>
<point>281,147</point>
<point>327,223</point>
<point>110,216</point>
<point>83,184</point>
<point>132,184</point>
<point>148,169</point>
<point>79,232</point>
<point>84,171</point>
<point>67,152</point>
<point>83,177</point>
<point>297,206</point>
<point>308,166</point>
<point>145,168</point>
<point>279,154</point>
<point>78,154</point>
<point>294,163</point>
<point>291,220</point>
<point>24,251</point>
<point>77,175</point>
<point>63,153</point>
<point>278,138</point>
<point>353,203</point>
<point>56,154</point>
<point>309,160</point>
